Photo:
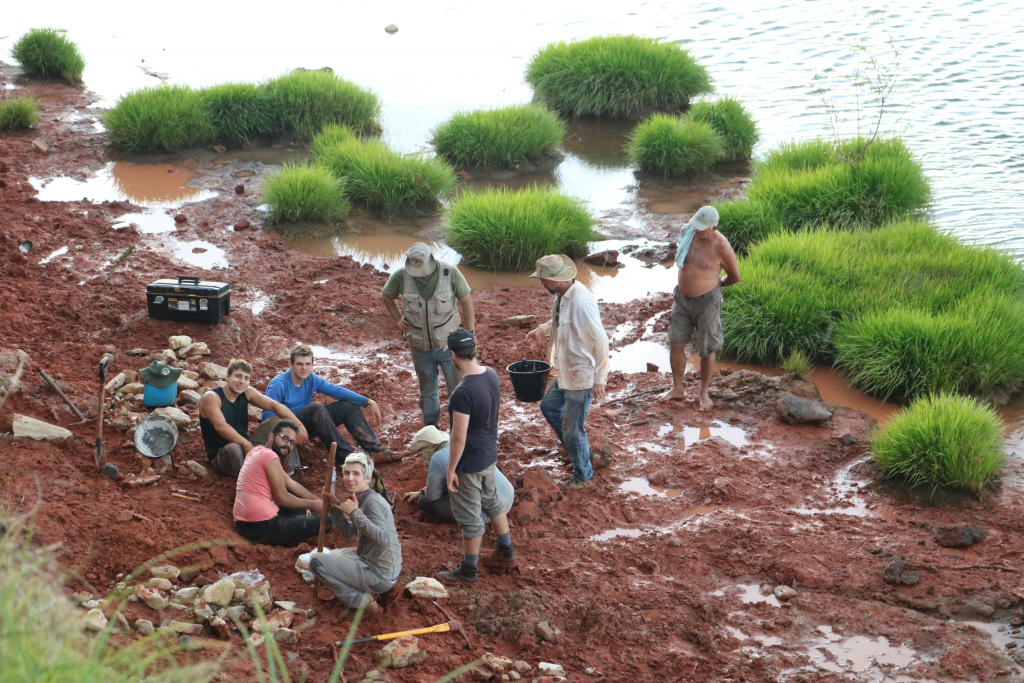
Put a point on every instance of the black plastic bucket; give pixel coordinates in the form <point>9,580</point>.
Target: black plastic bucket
<point>529,379</point>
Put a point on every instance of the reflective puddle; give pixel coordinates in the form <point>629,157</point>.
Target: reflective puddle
<point>150,223</point>
<point>150,185</point>
<point>55,254</point>
<point>748,593</point>
<point>642,486</point>
<point>615,533</point>
<point>873,659</point>
<point>635,357</point>
<point>848,499</point>
<point>201,254</point>
<point>689,436</point>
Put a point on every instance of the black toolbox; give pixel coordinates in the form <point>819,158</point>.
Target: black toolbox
<point>189,298</point>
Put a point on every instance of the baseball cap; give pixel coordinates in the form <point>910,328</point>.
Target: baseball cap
<point>461,339</point>
<point>706,217</point>
<point>419,262</point>
<point>557,267</point>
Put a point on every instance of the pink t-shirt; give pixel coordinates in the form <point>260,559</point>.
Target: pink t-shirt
<point>254,501</point>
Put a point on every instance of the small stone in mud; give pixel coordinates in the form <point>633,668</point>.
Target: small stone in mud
<point>609,258</point>
<point>241,225</point>
<point>801,411</point>
<point>651,367</point>
<point>959,535</point>
<point>545,632</point>
<point>391,28</point>
<point>908,578</point>
<point>674,542</point>
<point>893,570</point>
<point>239,189</point>
<point>180,218</point>
<point>847,439</point>
<point>784,593</point>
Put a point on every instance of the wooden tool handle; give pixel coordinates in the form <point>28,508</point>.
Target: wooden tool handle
<point>326,505</point>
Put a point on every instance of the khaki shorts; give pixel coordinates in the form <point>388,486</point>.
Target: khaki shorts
<point>475,500</point>
<point>699,319</point>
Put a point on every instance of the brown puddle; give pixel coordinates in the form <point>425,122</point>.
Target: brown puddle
<point>155,185</point>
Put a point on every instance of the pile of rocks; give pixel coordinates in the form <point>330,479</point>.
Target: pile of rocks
<point>503,669</point>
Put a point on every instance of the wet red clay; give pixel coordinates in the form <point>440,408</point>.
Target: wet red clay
<point>635,609</point>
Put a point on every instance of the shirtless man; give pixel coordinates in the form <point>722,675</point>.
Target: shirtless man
<point>702,255</point>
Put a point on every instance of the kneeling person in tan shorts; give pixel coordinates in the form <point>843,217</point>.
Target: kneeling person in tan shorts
<point>703,253</point>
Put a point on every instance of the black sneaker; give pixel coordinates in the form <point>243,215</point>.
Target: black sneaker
<point>465,573</point>
<point>503,556</point>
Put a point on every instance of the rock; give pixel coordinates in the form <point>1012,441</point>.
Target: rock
<point>195,468</point>
<point>81,596</point>
<point>165,571</point>
<point>801,411</point>
<point>847,439</point>
<point>722,483</point>
<point>526,511</point>
<point>427,588</point>
<point>255,412</point>
<point>94,620</point>
<point>521,667</point>
<point>651,367</point>
<point>144,627</point>
<point>202,610</point>
<point>609,258</point>
<point>186,595</point>
<point>256,639</point>
<point>166,633</point>
<point>285,604</point>
<point>153,598</point>
<point>279,618</point>
<point>220,149</point>
<point>189,398</point>
<point>520,320</point>
<point>181,627</point>
<point>481,673</point>
<point>178,417</point>
<point>548,669</point>
<point>213,371</point>
<point>121,623</point>
<point>186,384</point>
<point>235,612</point>
<point>545,632</point>
<point>239,189</point>
<point>547,487</point>
<point>194,349</point>
<point>91,604</point>
<point>496,664</point>
<point>983,605</point>
<point>893,570</point>
<point>400,653</point>
<point>187,643</point>
<point>241,225</point>
<point>784,593</point>
<point>674,542</point>
<point>180,218</point>
<point>114,384</point>
<point>158,583</point>
<point>908,578</point>
<point>133,389</point>
<point>286,635</point>
<point>138,352</point>
<point>179,341</point>
<point>220,593</point>
<point>959,535</point>
<point>30,429</point>
<point>219,628</point>
<point>259,594</point>
<point>391,28</point>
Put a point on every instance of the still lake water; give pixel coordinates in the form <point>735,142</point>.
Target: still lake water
<point>960,104</point>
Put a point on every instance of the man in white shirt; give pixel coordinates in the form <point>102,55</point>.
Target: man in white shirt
<point>578,351</point>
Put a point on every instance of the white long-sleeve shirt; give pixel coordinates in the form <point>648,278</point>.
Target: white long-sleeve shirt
<point>579,345</point>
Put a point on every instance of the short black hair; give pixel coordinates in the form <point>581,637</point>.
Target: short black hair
<point>282,425</point>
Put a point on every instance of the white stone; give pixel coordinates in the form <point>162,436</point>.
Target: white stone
<point>784,593</point>
<point>195,349</point>
<point>144,626</point>
<point>196,469</point>
<point>177,416</point>
<point>285,635</point>
<point>165,571</point>
<point>239,595</point>
<point>162,584</point>
<point>179,341</point>
<point>426,587</point>
<point>81,596</point>
<point>91,604</point>
<point>259,594</point>
<point>153,598</point>
<point>95,621</point>
<point>549,669</point>
<point>256,639</point>
<point>115,383</point>
<point>182,628</point>
<point>133,389</point>
<point>220,593</point>
<point>30,429</point>
<point>186,384</point>
<point>285,605</point>
<point>213,371</point>
<point>189,397</point>
<point>186,595</point>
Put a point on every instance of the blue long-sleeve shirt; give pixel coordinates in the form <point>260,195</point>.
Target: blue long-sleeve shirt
<point>283,390</point>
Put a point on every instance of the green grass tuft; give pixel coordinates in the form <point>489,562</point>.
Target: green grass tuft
<point>499,137</point>
<point>615,76</point>
<point>17,113</point>
<point>328,137</point>
<point>166,117</point>
<point>798,365</point>
<point>731,119</point>
<point>671,146</point>
<point>239,112</point>
<point>301,193</point>
<point>307,101</point>
<point>47,53</point>
<point>501,229</point>
<point>383,180</point>
<point>747,222</point>
<point>943,441</point>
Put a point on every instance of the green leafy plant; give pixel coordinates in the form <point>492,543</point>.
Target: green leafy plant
<point>304,193</point>
<point>239,112</point>
<point>307,101</point>
<point>328,137</point>
<point>798,365</point>
<point>503,136</point>
<point>731,119</point>
<point>671,146</point>
<point>47,53</point>
<point>943,441</point>
<point>168,117</point>
<point>17,113</point>
<point>747,222</point>
<point>615,76</point>
<point>501,229</point>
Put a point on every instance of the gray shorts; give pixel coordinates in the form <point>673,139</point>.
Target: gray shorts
<point>699,319</point>
<point>476,500</point>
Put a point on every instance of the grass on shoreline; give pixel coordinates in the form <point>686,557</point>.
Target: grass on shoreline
<point>307,101</point>
<point>671,146</point>
<point>301,193</point>
<point>730,118</point>
<point>17,113</point>
<point>615,76</point>
<point>47,53</point>
<point>505,230</point>
<point>498,137</point>
<point>942,441</point>
<point>239,112</point>
<point>167,117</point>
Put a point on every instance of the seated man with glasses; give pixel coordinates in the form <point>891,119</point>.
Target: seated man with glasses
<point>270,507</point>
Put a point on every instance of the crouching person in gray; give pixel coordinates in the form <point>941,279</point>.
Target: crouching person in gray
<point>362,513</point>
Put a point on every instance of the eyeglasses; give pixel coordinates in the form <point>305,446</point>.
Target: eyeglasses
<point>288,441</point>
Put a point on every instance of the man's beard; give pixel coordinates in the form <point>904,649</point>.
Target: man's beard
<point>282,451</point>
<point>551,290</point>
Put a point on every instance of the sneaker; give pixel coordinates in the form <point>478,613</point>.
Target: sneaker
<point>503,556</point>
<point>573,484</point>
<point>466,573</point>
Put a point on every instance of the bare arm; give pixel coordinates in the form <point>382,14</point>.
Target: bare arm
<point>468,314</point>
<point>729,264</point>
<point>209,407</point>
<point>392,308</point>
<point>267,403</point>
<point>281,490</point>
<point>460,425</point>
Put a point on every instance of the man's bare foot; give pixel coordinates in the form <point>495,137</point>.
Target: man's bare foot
<point>673,394</point>
<point>706,403</point>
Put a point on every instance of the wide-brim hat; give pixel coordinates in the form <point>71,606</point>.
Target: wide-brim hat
<point>160,375</point>
<point>428,435</point>
<point>557,267</point>
<point>419,262</point>
<point>706,217</point>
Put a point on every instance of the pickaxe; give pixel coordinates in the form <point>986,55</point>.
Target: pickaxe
<point>452,625</point>
<point>101,450</point>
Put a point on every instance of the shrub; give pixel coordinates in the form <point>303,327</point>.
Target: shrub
<point>745,223</point>
<point>615,76</point>
<point>300,193</point>
<point>17,112</point>
<point>671,146</point>
<point>493,137</point>
<point>307,101</point>
<point>239,112</point>
<point>500,229</point>
<point>798,365</point>
<point>166,117</point>
<point>942,441</point>
<point>330,136</point>
<point>47,53</point>
<point>732,120</point>
<point>385,181</point>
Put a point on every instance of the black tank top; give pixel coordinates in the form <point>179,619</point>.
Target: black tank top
<point>235,414</point>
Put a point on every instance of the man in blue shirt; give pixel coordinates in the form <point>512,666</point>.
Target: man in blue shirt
<point>295,388</point>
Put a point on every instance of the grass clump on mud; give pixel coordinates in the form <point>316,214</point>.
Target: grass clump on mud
<point>672,146</point>
<point>798,365</point>
<point>304,193</point>
<point>942,441</point>
<point>733,122</point>
<point>615,76</point>
<point>47,53</point>
<point>165,117</point>
<point>239,112</point>
<point>307,101</point>
<point>499,137</point>
<point>17,113</point>
<point>384,180</point>
<point>502,229</point>
<point>903,310</point>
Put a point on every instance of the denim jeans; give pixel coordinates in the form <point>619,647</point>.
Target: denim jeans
<point>426,364</point>
<point>566,412</point>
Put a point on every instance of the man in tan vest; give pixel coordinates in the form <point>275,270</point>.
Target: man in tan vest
<point>429,289</point>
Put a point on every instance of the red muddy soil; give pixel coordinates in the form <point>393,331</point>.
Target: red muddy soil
<point>764,503</point>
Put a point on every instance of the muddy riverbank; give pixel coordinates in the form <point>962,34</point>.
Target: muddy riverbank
<point>653,574</point>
